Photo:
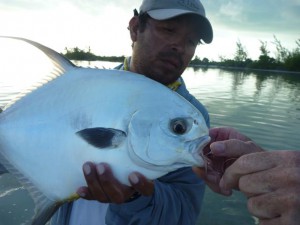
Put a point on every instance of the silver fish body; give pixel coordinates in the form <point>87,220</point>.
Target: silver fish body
<point>124,119</point>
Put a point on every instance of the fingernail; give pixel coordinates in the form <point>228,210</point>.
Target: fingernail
<point>86,169</point>
<point>100,169</point>
<point>223,188</point>
<point>218,148</point>
<point>81,193</point>
<point>226,192</point>
<point>134,179</point>
<point>222,185</point>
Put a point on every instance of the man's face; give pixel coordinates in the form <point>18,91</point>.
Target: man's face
<point>164,49</point>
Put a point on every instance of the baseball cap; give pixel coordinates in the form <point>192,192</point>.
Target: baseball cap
<point>167,9</point>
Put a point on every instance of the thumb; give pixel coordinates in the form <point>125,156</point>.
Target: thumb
<point>233,148</point>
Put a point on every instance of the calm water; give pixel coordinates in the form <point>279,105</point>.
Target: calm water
<point>265,106</point>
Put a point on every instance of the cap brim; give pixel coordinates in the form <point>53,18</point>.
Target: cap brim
<point>165,14</point>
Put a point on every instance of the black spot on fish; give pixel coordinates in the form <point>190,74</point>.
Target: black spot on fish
<point>100,137</point>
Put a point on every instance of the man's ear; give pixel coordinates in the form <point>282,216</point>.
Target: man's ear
<point>133,28</point>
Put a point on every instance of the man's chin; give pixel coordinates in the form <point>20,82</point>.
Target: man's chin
<point>164,75</point>
<point>165,80</point>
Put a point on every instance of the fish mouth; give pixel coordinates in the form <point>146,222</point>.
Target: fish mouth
<point>196,148</point>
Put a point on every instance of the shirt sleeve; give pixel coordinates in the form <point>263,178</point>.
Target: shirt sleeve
<point>177,200</point>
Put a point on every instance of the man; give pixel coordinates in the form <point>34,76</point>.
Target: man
<point>270,179</point>
<point>165,35</point>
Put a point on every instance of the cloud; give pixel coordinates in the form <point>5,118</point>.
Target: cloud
<point>90,6</point>
<point>231,10</point>
<point>101,24</point>
<point>256,15</point>
<point>290,12</point>
<point>27,4</point>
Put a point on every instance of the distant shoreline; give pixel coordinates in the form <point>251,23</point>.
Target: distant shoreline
<point>286,61</point>
<point>196,63</point>
<point>243,69</point>
<point>209,66</point>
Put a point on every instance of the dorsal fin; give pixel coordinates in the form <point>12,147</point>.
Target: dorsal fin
<point>60,64</point>
<point>58,60</point>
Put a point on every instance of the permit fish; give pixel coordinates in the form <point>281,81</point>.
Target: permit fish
<point>86,114</point>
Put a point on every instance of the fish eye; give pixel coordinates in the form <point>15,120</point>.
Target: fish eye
<point>178,126</point>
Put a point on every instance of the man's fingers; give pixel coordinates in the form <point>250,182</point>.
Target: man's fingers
<point>212,180</point>
<point>269,180</point>
<point>224,153</point>
<point>282,220</point>
<point>141,184</point>
<point>274,221</point>
<point>94,190</point>
<point>226,133</point>
<point>246,164</point>
<point>84,192</point>
<point>291,217</point>
<point>279,203</point>
<point>102,185</point>
<point>115,191</point>
<point>264,206</point>
<point>233,148</point>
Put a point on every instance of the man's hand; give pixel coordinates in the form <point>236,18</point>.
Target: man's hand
<point>271,181</point>
<point>104,187</point>
<point>226,145</point>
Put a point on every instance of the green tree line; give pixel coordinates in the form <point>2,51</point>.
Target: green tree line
<point>79,54</point>
<point>288,60</point>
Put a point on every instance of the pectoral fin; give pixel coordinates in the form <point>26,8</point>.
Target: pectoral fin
<point>100,137</point>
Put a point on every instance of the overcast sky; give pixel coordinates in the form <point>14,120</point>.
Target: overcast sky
<point>101,24</point>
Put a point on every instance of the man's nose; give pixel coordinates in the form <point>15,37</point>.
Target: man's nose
<point>178,45</point>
